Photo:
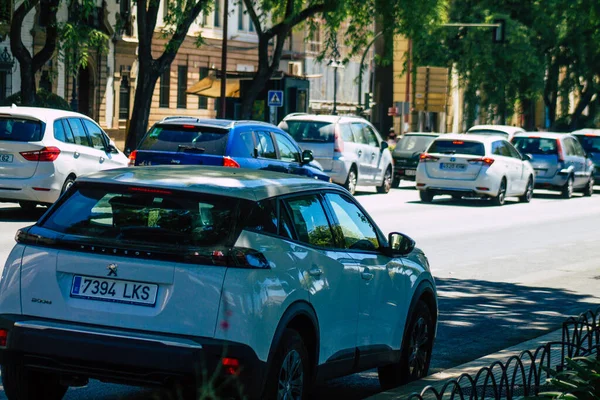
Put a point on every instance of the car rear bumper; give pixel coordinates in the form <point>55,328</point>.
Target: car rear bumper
<point>556,182</point>
<point>483,186</point>
<point>338,172</point>
<point>405,173</point>
<point>121,356</point>
<point>39,189</point>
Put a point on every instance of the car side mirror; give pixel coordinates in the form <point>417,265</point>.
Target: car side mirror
<point>307,156</point>
<point>400,244</point>
<point>384,145</point>
<point>526,157</point>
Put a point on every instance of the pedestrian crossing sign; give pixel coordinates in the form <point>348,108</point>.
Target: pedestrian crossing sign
<point>275,98</point>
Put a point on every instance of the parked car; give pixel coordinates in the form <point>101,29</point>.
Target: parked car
<point>559,161</point>
<point>236,144</point>
<point>406,155</point>
<point>43,151</point>
<point>350,149</point>
<point>484,166</point>
<point>506,131</point>
<point>174,272</point>
<point>590,140</point>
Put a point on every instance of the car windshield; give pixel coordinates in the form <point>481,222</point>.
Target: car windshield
<point>538,146</point>
<point>145,216</point>
<point>186,138</point>
<point>591,144</point>
<point>414,143</point>
<point>463,147</point>
<point>487,132</point>
<point>310,131</point>
<point>20,130</point>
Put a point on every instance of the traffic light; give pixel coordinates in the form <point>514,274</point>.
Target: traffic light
<point>368,100</point>
<point>499,32</point>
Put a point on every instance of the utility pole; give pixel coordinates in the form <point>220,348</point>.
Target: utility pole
<point>224,59</point>
<point>362,63</point>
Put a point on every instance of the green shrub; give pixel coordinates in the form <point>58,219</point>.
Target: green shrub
<point>580,381</point>
<point>43,98</point>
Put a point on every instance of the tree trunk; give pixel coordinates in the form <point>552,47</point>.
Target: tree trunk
<point>257,87</point>
<point>21,53</point>
<point>584,100</point>
<point>146,82</point>
<point>551,90</point>
<point>27,84</point>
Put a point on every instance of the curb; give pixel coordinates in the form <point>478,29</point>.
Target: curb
<point>438,380</point>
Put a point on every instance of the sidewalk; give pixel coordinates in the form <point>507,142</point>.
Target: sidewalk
<point>439,379</point>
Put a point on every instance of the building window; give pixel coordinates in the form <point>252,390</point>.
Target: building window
<point>124,96</point>
<point>3,85</point>
<point>5,11</point>
<point>217,14</point>
<point>314,42</point>
<point>250,24</point>
<point>182,86</point>
<point>165,87</point>
<point>241,16</point>
<point>125,15</point>
<point>203,100</point>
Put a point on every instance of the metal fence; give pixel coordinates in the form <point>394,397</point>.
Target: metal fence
<point>526,374</point>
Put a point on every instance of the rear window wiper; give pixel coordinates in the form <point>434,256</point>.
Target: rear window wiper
<point>449,152</point>
<point>184,147</point>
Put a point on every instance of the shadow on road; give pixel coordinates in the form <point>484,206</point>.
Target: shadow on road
<point>477,318</point>
<point>17,214</point>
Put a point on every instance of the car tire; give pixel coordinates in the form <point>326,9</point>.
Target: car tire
<point>528,195</point>
<point>68,183</point>
<point>567,190</point>
<point>500,198</point>
<point>386,184</point>
<point>589,187</point>
<point>289,373</point>
<point>28,205</point>
<point>22,384</point>
<point>351,181</point>
<point>426,196</point>
<point>416,351</point>
<point>396,183</point>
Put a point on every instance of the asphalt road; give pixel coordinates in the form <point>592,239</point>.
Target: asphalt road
<point>504,274</point>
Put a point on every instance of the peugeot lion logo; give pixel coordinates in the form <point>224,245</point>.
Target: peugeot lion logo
<point>112,269</point>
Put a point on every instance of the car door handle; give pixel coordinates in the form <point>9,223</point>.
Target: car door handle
<point>316,272</point>
<point>76,155</point>
<point>359,153</point>
<point>373,155</point>
<point>102,159</point>
<point>367,276</point>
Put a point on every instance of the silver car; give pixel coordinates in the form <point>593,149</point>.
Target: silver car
<point>350,149</point>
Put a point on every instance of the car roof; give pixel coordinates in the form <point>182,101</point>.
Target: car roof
<point>324,118</point>
<point>545,135</point>
<point>500,128</point>
<point>432,134</point>
<point>470,137</point>
<point>241,183</point>
<point>589,132</point>
<point>39,113</point>
<point>217,123</point>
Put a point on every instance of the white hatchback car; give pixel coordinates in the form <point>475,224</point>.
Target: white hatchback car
<point>506,131</point>
<point>43,151</point>
<point>162,275</point>
<point>474,166</point>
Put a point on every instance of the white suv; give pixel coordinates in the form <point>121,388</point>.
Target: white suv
<point>484,166</point>
<point>163,274</point>
<point>43,151</point>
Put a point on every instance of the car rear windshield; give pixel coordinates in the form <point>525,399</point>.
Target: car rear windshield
<point>591,144</point>
<point>145,216</point>
<point>487,132</point>
<point>414,143</point>
<point>186,138</point>
<point>539,146</point>
<point>457,147</point>
<point>20,130</point>
<point>310,131</point>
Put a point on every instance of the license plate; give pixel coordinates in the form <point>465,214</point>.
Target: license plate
<point>410,172</point>
<point>452,166</point>
<point>114,291</point>
<point>6,158</point>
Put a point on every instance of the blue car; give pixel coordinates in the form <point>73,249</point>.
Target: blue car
<point>217,142</point>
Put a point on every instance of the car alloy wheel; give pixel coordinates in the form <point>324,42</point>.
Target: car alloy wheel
<point>386,185</point>
<point>419,349</point>
<point>351,181</point>
<point>291,377</point>
<point>589,188</point>
<point>528,195</point>
<point>501,197</point>
<point>567,191</point>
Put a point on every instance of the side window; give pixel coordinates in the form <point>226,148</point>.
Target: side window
<point>79,134</point>
<point>243,146</point>
<point>354,227</point>
<point>263,217</point>
<point>265,145</point>
<point>578,149</point>
<point>287,151</point>
<point>370,136</point>
<point>60,133</point>
<point>497,148</point>
<point>286,229</point>
<point>514,153</point>
<point>96,135</point>
<point>569,148</point>
<point>347,135</point>
<point>357,129</point>
<point>310,221</point>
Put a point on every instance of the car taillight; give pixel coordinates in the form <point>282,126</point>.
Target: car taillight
<point>427,158</point>
<point>45,154</point>
<point>231,365</point>
<point>484,160</point>
<point>559,150</point>
<point>338,146</point>
<point>132,158</point>
<point>3,337</point>
<point>230,162</point>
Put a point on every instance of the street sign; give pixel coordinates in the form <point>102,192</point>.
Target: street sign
<point>431,89</point>
<point>275,98</point>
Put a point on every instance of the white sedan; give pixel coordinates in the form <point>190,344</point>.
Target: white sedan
<point>474,166</point>
<point>43,151</point>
